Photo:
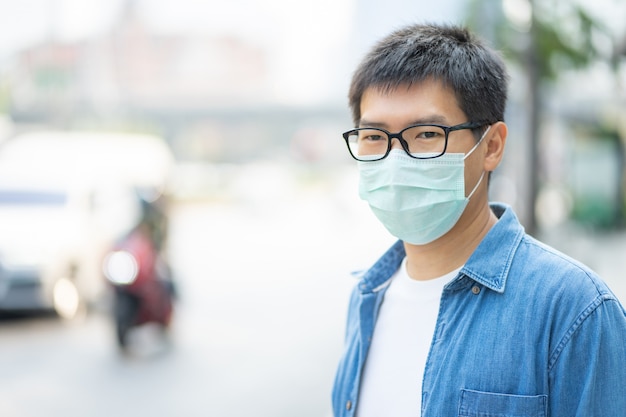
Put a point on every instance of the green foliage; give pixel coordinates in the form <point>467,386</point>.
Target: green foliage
<point>595,212</point>
<point>573,49</point>
<point>559,36</point>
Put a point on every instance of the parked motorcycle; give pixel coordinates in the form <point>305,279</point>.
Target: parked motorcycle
<point>140,277</point>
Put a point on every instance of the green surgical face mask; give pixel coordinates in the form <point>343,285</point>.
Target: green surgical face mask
<point>417,200</point>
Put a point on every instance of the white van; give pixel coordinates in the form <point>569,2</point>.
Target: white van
<point>65,197</point>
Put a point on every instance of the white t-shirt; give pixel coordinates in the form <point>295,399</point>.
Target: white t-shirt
<point>392,378</point>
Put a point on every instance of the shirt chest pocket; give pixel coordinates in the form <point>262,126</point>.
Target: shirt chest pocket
<point>489,404</point>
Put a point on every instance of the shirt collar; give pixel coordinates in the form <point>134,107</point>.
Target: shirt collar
<point>489,264</point>
<point>378,276</point>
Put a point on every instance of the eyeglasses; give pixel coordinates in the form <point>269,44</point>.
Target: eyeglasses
<point>420,141</point>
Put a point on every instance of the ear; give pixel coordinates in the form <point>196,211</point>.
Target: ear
<point>496,139</point>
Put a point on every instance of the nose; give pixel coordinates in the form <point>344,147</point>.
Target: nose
<point>396,144</point>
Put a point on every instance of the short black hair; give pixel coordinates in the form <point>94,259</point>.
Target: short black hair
<point>450,54</point>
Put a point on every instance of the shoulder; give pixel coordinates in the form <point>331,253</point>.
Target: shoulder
<point>565,291</point>
<point>572,301</point>
<point>548,268</point>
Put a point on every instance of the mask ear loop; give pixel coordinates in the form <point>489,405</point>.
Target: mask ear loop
<point>478,143</point>
<point>468,154</point>
<point>476,186</point>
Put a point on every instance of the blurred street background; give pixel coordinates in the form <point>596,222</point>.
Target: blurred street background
<point>233,112</point>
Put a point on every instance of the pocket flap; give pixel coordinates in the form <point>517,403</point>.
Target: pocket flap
<point>489,404</point>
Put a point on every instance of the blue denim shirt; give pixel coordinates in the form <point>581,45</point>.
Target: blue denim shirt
<point>523,330</point>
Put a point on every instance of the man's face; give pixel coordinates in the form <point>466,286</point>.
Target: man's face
<point>427,102</point>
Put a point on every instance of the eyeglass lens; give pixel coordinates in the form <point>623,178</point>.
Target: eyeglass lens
<point>368,144</point>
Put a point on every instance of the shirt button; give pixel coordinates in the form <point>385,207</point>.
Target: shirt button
<point>348,405</point>
<point>475,289</point>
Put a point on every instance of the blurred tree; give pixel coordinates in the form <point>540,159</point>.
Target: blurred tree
<point>543,38</point>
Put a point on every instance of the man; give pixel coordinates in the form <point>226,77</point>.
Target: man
<point>465,315</point>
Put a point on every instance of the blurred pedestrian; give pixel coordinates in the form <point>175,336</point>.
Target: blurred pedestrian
<point>466,315</point>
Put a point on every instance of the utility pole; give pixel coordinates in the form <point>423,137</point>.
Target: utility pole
<point>535,103</point>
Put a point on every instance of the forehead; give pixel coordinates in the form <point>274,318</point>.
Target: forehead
<point>426,101</point>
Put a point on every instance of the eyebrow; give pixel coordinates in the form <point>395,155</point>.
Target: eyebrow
<point>434,119</point>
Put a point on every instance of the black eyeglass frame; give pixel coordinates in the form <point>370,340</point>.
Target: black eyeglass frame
<point>405,145</point>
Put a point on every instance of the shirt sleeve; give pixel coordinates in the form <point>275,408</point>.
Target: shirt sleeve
<point>588,366</point>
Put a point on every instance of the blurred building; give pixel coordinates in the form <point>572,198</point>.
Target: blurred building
<point>134,69</point>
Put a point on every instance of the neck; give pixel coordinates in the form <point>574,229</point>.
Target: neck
<point>452,250</point>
